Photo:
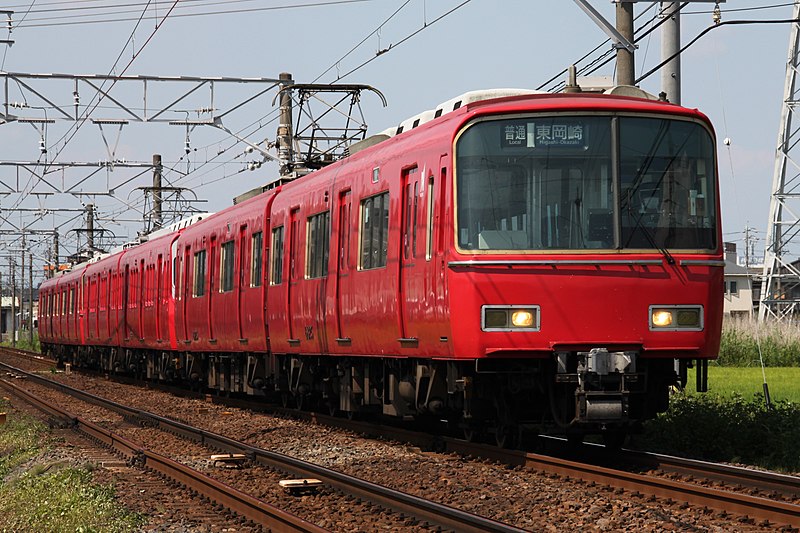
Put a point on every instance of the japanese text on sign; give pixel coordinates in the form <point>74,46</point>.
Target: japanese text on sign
<point>550,134</point>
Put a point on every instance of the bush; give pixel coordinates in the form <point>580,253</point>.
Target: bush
<point>779,342</point>
<point>733,430</point>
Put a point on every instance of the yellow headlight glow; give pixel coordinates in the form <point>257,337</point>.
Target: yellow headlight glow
<point>661,318</point>
<point>522,318</point>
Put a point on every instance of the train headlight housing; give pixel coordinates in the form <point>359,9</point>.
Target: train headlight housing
<point>676,318</point>
<point>510,318</point>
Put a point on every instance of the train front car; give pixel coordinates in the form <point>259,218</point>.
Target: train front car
<point>587,270</point>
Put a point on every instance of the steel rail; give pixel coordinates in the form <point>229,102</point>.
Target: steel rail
<point>227,496</point>
<point>425,510</point>
<point>755,507</point>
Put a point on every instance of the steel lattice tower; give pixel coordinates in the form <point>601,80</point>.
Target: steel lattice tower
<point>779,299</point>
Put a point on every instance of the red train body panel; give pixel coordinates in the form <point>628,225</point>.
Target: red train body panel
<point>394,278</point>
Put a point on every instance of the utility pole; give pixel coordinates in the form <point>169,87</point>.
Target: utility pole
<point>22,285</point>
<point>670,47</point>
<point>55,252</point>
<point>625,66</point>
<point>12,267</point>
<point>285,156</point>
<point>157,220</point>
<point>90,228</point>
<point>30,299</point>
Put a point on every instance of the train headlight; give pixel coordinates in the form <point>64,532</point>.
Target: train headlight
<point>510,318</point>
<point>522,318</point>
<point>662,318</point>
<point>676,318</point>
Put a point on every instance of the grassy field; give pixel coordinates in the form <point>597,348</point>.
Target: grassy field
<point>784,382</point>
<point>37,494</point>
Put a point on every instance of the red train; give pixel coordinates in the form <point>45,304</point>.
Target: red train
<point>537,258</point>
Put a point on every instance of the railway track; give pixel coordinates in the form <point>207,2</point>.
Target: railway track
<point>592,468</point>
<point>435,514</point>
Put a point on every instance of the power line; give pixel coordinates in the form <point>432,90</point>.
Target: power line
<point>182,15</point>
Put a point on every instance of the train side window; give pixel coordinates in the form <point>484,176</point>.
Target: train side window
<point>226,267</point>
<point>255,262</point>
<point>276,265</point>
<point>374,231</point>
<point>199,285</point>
<point>318,245</point>
<point>72,300</point>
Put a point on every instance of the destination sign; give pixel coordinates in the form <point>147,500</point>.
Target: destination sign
<point>544,134</point>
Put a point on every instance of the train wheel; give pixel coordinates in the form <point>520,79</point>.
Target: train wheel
<point>506,436</point>
<point>471,433</point>
<point>333,406</point>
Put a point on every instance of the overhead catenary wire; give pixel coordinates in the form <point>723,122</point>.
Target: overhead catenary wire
<point>44,24</point>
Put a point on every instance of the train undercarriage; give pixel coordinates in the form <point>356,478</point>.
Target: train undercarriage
<point>572,393</point>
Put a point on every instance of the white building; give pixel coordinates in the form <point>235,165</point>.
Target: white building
<point>738,285</point>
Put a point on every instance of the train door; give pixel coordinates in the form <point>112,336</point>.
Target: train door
<point>440,229</point>
<point>212,273</point>
<point>142,279</point>
<point>343,283</point>
<point>407,283</point>
<point>295,273</point>
<point>159,287</point>
<point>243,278</point>
<point>187,284</point>
<point>125,292</point>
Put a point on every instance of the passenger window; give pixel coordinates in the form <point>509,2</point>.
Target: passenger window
<point>199,285</point>
<point>255,262</point>
<point>318,245</point>
<point>226,267</point>
<point>374,231</point>
<point>276,271</point>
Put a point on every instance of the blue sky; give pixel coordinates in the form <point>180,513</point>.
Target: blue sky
<point>734,74</point>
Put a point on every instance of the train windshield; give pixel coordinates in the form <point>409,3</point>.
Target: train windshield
<point>571,182</point>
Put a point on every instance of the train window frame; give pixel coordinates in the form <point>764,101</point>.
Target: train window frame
<point>276,263</point>
<point>615,171</point>
<point>227,262</point>
<point>199,274</point>
<point>373,250</point>
<point>318,238</point>
<point>429,221</point>
<point>256,258</point>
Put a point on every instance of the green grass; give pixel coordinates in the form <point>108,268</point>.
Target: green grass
<point>48,499</point>
<point>20,439</point>
<point>744,338</point>
<point>24,343</point>
<point>784,382</point>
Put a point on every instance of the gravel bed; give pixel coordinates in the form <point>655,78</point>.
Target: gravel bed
<point>326,508</point>
<point>524,498</point>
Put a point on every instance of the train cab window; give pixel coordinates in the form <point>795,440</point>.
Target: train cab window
<point>276,265</point>
<point>226,264</point>
<point>255,259</point>
<point>569,182</point>
<point>374,231</point>
<point>199,281</point>
<point>318,245</point>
